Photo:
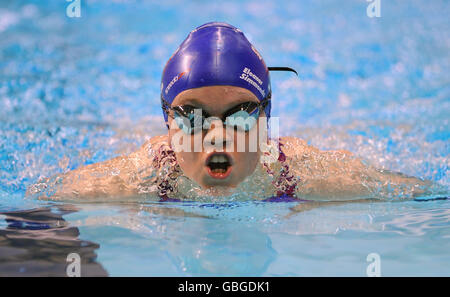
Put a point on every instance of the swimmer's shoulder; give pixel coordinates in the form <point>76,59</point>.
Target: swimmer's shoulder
<point>155,141</point>
<point>294,146</point>
<point>145,152</point>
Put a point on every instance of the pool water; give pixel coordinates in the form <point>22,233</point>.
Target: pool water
<point>75,91</point>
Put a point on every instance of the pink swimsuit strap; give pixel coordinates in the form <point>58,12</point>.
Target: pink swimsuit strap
<point>286,183</point>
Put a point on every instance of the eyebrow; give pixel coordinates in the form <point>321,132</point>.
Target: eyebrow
<point>192,101</point>
<point>196,103</point>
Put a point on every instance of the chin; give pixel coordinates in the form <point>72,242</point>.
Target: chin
<point>218,189</point>
<point>208,182</point>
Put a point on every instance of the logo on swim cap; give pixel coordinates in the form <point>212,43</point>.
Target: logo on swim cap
<point>174,80</point>
<point>257,53</point>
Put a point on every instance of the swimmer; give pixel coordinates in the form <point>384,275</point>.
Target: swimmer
<point>215,93</point>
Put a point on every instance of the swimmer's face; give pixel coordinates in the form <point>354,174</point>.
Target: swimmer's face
<point>206,165</point>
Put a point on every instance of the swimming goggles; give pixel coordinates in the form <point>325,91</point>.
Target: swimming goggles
<point>242,117</point>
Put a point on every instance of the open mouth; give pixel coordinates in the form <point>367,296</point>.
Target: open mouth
<point>219,165</point>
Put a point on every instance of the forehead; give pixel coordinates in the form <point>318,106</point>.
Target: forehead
<point>214,97</point>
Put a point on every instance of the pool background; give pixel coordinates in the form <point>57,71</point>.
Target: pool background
<point>79,91</point>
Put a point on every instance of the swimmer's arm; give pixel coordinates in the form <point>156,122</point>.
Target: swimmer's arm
<point>120,176</point>
<point>339,175</point>
<point>363,180</point>
<point>97,180</point>
<point>321,175</point>
<point>394,184</point>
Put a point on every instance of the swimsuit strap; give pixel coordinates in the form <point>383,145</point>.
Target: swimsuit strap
<point>286,183</point>
<point>166,163</point>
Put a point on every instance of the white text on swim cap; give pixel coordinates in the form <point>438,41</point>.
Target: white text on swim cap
<point>246,74</point>
<point>174,80</point>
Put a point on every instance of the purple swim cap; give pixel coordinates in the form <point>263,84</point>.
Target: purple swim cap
<point>215,54</point>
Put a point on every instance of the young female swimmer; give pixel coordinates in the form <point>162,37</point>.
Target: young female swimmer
<point>215,94</point>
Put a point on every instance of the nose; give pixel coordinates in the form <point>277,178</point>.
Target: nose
<point>217,137</point>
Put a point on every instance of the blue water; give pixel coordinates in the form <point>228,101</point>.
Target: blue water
<point>79,91</point>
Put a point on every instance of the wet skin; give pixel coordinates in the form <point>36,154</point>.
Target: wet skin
<point>324,175</point>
